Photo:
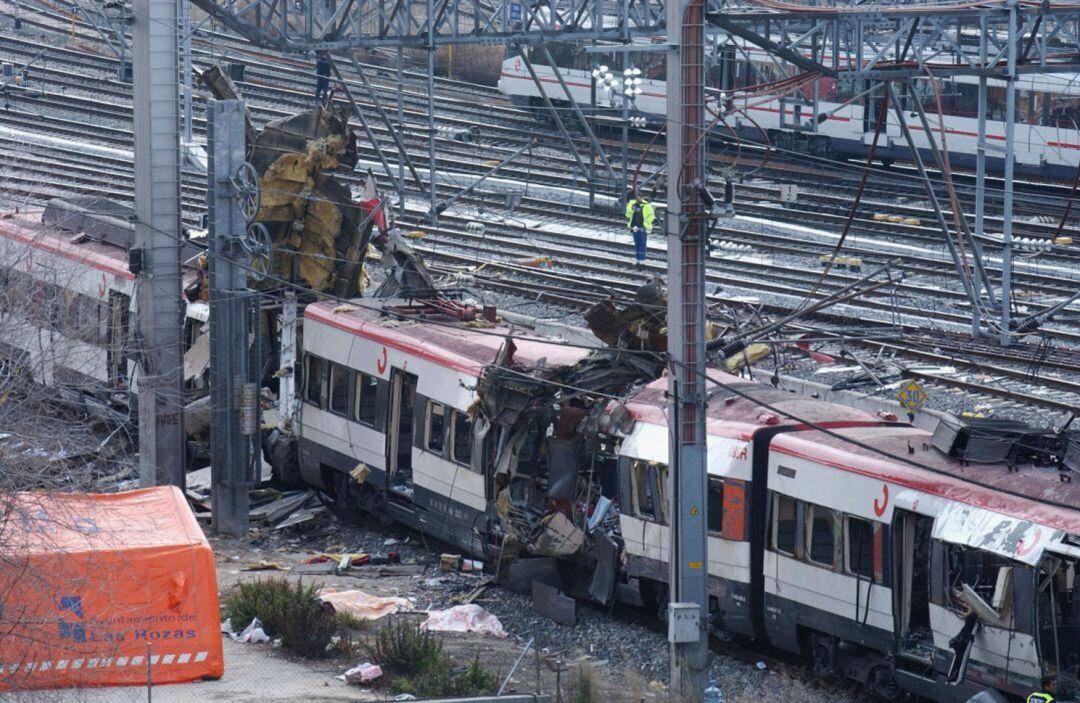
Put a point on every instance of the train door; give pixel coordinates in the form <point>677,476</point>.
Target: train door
<point>399,433</point>
<point>911,587</point>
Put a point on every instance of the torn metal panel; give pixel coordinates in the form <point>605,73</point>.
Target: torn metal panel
<point>551,603</point>
<point>562,469</point>
<point>1005,536</point>
<point>606,553</point>
<point>560,537</point>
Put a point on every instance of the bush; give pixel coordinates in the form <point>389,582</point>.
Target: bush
<point>586,685</point>
<point>306,628</point>
<point>414,662</point>
<point>401,649</point>
<point>264,599</point>
<point>287,609</point>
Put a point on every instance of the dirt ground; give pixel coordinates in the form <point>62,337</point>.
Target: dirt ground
<point>419,578</point>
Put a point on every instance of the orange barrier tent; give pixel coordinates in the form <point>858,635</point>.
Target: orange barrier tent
<point>88,581</point>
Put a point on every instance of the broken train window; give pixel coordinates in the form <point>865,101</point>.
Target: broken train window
<point>462,433</point>
<point>824,525</point>
<point>339,389</point>
<point>436,426</point>
<point>367,389</point>
<point>860,547</point>
<point>975,567</point>
<point>313,380</point>
<point>647,482</point>
<point>715,514</point>
<point>784,511</point>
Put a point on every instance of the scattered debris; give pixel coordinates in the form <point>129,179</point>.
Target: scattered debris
<point>463,618</point>
<point>364,673</point>
<point>264,566</point>
<point>363,606</point>
<point>552,603</point>
<point>252,634</point>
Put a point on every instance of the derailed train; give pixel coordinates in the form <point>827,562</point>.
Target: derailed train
<point>845,536</point>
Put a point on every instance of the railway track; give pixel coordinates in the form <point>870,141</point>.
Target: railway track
<point>585,270</point>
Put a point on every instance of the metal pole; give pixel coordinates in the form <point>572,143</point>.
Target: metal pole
<point>1010,160</point>
<point>432,190</point>
<point>592,154</point>
<point>686,233</point>
<point>980,172</point>
<point>400,89</point>
<point>625,62</point>
<point>965,280</point>
<point>230,363</point>
<point>157,240</point>
<point>185,25</point>
<point>595,146</point>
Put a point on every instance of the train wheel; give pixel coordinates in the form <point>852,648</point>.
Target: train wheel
<point>882,682</point>
<point>823,654</point>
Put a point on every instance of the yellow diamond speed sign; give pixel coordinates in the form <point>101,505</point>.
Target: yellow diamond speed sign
<point>911,395</point>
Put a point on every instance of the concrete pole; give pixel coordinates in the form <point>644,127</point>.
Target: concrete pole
<point>686,234</point>
<point>231,472</point>
<point>157,239</point>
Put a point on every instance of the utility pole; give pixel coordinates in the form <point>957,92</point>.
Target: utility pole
<point>686,238</point>
<point>156,257</point>
<point>233,343</point>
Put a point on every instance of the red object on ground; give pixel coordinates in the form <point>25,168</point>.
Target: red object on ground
<point>88,580</point>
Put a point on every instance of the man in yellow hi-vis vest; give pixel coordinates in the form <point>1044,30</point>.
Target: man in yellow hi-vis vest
<point>639,220</point>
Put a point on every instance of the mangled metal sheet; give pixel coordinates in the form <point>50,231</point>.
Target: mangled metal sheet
<point>1005,536</point>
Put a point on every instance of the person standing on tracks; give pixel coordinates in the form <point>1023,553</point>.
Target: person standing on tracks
<point>322,71</point>
<point>639,220</point>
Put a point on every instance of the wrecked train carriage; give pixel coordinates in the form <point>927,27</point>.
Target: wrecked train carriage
<point>389,421</point>
<point>69,303</point>
<point>465,431</point>
<point>921,570</point>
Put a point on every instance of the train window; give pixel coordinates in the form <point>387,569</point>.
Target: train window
<point>860,547</point>
<point>462,431</point>
<point>436,426</point>
<point>339,389</point>
<point>313,380</point>
<point>823,533</point>
<point>716,504</point>
<point>647,483</point>
<point>784,525</point>
<point>367,390</point>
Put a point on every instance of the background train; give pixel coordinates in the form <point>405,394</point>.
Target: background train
<point>823,117</point>
<point>876,549</point>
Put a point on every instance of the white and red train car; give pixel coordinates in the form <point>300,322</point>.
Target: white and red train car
<point>823,118</point>
<point>844,536</point>
<point>68,309</point>
<point>850,538</point>
<point>384,415</point>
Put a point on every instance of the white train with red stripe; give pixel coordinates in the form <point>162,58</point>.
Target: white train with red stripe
<point>865,548</point>
<point>842,535</point>
<point>67,299</point>
<point>1047,139</point>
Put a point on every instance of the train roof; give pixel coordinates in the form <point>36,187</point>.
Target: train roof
<point>93,231</point>
<point>738,407</point>
<point>466,347</point>
<point>869,445</point>
<point>26,227</point>
<point>1030,492</point>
